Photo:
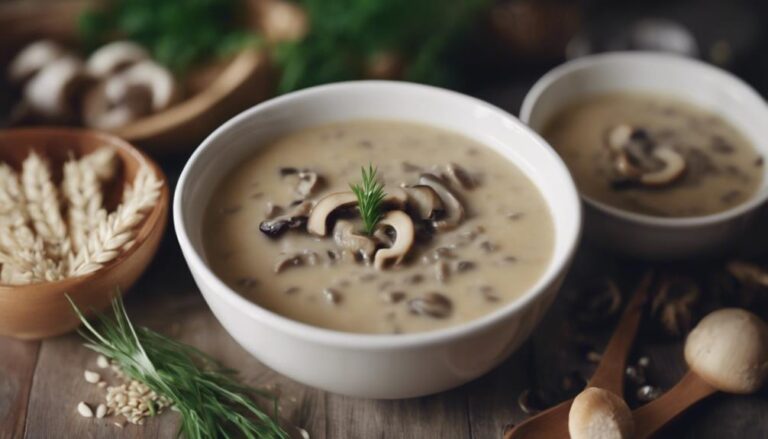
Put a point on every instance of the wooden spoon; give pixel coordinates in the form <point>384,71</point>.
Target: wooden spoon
<point>553,423</point>
<point>657,413</point>
<point>726,351</point>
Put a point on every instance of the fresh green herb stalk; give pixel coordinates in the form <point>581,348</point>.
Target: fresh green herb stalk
<point>370,197</point>
<point>211,402</point>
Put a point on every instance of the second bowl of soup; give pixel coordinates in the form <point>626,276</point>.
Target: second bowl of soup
<point>476,226</point>
<point>667,152</point>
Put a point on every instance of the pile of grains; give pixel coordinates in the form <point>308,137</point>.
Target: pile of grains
<point>131,399</point>
<point>49,233</point>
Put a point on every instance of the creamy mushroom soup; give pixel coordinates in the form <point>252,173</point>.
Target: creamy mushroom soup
<point>463,231</point>
<point>655,155</point>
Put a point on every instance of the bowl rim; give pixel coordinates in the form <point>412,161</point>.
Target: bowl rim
<point>366,341</point>
<point>153,219</point>
<point>596,60</point>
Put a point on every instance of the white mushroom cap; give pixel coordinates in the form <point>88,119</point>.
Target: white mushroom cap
<point>599,414</point>
<point>729,350</point>
<point>32,58</point>
<point>146,74</point>
<point>49,92</point>
<point>110,58</point>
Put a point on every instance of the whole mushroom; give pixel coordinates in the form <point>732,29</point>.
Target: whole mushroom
<point>600,414</point>
<point>729,350</point>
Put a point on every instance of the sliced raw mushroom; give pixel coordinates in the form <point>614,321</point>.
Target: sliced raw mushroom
<point>454,211</point>
<point>404,235</point>
<point>295,217</point>
<point>431,304</point>
<point>32,58</point>
<point>146,74</point>
<point>102,113</point>
<point>674,166</point>
<point>138,91</point>
<point>52,92</point>
<point>318,218</point>
<point>459,176</point>
<point>345,237</point>
<point>114,57</point>
<point>424,201</point>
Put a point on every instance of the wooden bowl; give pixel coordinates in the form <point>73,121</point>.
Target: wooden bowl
<point>214,92</point>
<point>41,310</point>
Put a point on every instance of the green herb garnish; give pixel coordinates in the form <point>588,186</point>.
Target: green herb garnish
<point>370,196</point>
<point>212,404</point>
<point>345,34</point>
<point>179,34</point>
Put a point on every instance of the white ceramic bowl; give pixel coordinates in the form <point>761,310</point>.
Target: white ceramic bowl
<point>376,366</point>
<point>645,236</point>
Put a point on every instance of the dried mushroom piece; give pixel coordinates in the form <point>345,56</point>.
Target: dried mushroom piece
<point>598,302</point>
<point>294,218</point>
<point>674,304</point>
<point>454,210</point>
<point>432,305</point>
<point>307,181</point>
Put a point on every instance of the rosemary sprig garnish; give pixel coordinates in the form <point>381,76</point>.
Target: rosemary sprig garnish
<point>370,196</point>
<point>212,404</point>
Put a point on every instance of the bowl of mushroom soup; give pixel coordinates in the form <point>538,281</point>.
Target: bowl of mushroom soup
<point>667,152</point>
<point>377,239</point>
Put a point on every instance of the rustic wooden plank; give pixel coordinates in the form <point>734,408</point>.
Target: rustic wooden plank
<point>440,416</point>
<point>17,367</point>
<point>492,399</point>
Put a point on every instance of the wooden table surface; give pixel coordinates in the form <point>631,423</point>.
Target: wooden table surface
<point>42,382</point>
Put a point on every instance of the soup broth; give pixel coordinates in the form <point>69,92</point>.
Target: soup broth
<point>720,167</point>
<point>453,272</point>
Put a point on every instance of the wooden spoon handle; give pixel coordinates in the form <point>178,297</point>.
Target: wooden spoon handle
<point>553,423</point>
<point>654,415</point>
<point>610,372</point>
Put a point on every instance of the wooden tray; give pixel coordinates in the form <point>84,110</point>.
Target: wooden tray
<point>216,91</point>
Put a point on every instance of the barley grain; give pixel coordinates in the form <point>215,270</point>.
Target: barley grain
<point>92,377</point>
<point>84,410</point>
<point>102,362</point>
